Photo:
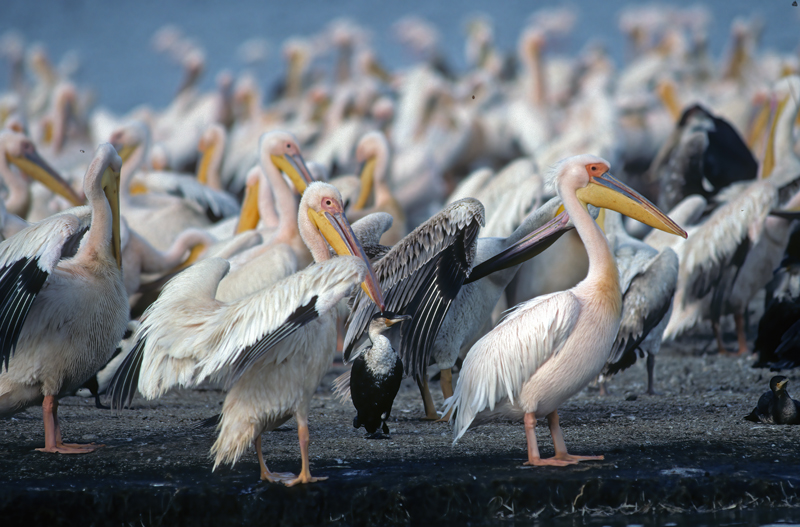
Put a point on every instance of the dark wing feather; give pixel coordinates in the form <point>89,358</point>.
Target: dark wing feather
<point>125,381</point>
<point>408,268</point>
<point>26,261</point>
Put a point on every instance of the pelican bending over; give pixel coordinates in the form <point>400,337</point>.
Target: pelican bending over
<point>550,347</point>
<point>62,318</point>
<point>272,347</point>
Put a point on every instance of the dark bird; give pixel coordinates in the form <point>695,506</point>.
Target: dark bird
<point>778,340</point>
<point>703,155</point>
<point>376,375</point>
<point>775,407</point>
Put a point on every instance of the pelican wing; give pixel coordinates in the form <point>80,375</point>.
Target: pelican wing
<point>214,203</point>
<point>26,261</point>
<point>502,361</point>
<point>187,335</point>
<point>644,305</point>
<point>421,276</point>
<point>723,241</point>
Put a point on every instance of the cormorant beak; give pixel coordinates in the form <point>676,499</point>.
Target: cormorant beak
<point>606,191</point>
<point>294,167</point>
<point>396,320</point>
<point>110,184</point>
<point>337,231</point>
<point>37,168</point>
<point>249,215</point>
<point>367,176</point>
<point>781,384</point>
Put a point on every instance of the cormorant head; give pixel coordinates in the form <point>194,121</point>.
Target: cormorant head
<point>778,383</point>
<point>381,321</point>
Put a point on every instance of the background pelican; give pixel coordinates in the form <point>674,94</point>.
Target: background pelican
<point>62,318</point>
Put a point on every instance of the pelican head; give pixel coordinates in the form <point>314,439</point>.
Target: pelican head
<point>371,145</point>
<point>282,148</point>
<point>322,210</point>
<point>128,138</point>
<point>20,151</point>
<point>589,178</point>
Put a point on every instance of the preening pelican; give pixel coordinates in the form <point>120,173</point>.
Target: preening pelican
<point>62,318</point>
<point>272,346</point>
<point>550,347</point>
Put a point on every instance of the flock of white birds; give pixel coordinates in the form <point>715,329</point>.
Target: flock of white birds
<point>246,242</point>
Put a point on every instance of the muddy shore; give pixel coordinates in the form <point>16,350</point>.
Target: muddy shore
<point>687,450</point>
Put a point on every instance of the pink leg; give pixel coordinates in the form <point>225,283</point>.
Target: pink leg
<point>302,436</point>
<point>266,475</point>
<point>561,447</point>
<point>52,432</point>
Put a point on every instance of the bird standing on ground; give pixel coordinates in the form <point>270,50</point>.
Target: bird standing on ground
<point>550,347</point>
<point>62,318</point>
<point>376,375</point>
<point>272,347</point>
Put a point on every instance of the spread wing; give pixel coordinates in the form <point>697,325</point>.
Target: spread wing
<point>421,276</point>
<point>187,335</point>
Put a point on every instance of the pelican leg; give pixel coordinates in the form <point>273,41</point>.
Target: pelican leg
<point>651,361</point>
<point>718,336</point>
<point>266,475</point>
<point>741,334</point>
<point>52,432</point>
<point>446,380</point>
<point>427,400</point>
<point>302,436</point>
<point>560,447</point>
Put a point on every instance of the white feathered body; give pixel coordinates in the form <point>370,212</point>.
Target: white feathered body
<point>539,356</point>
<point>275,388</point>
<point>73,327</point>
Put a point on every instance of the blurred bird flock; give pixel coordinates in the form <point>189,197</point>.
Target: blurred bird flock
<point>222,238</point>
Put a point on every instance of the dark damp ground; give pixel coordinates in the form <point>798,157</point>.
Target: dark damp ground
<point>685,457</point>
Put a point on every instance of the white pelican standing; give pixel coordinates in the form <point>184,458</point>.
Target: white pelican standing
<point>272,346</point>
<point>550,347</point>
<point>62,319</point>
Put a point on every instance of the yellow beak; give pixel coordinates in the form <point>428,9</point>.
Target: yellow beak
<point>606,191</point>
<point>294,167</point>
<point>769,154</point>
<point>36,167</point>
<point>110,184</point>
<point>337,231</point>
<point>249,216</point>
<point>205,161</point>
<point>367,177</point>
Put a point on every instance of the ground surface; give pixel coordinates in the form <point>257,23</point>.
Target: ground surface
<point>685,451</point>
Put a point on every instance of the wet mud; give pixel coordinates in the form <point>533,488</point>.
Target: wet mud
<point>687,450</point>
